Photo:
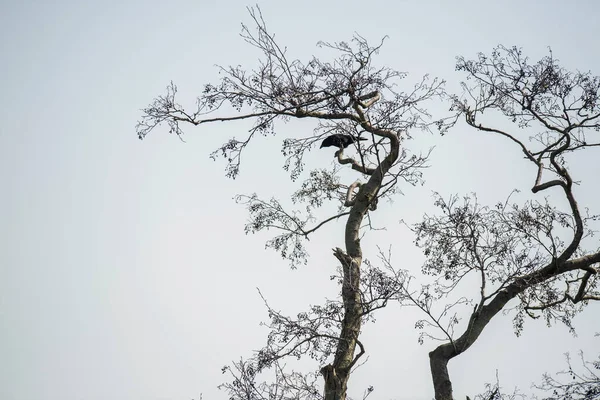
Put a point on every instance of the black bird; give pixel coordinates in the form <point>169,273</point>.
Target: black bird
<point>340,140</point>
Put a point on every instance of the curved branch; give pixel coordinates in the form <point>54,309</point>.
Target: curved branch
<point>350,198</point>
<point>355,165</point>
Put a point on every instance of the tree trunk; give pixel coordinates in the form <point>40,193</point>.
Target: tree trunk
<point>439,372</point>
<point>336,374</point>
<point>336,385</point>
<point>481,317</point>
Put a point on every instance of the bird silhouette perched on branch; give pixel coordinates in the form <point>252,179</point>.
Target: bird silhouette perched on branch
<point>340,140</point>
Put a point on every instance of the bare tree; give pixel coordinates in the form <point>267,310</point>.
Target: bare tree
<point>349,96</point>
<point>532,252</point>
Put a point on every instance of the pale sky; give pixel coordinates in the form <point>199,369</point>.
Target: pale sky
<point>124,270</point>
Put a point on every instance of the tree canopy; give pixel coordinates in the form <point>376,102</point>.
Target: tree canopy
<point>534,259</point>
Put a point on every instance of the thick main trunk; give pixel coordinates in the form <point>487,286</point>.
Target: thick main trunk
<point>336,374</point>
<point>480,318</point>
<point>336,384</point>
<point>439,373</point>
<point>439,357</point>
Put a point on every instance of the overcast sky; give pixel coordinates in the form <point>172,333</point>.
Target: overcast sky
<point>124,270</point>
